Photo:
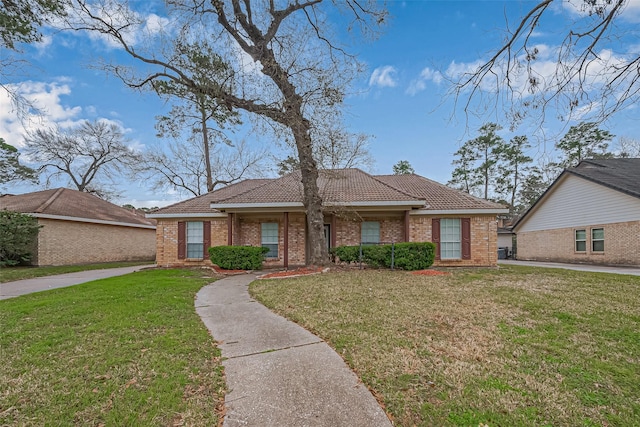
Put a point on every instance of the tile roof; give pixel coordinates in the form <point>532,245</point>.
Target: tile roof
<point>437,196</point>
<point>337,187</point>
<point>620,174</point>
<point>202,204</point>
<point>340,186</point>
<point>71,203</point>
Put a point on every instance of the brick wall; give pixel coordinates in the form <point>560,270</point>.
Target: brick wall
<point>167,241</point>
<point>348,231</point>
<point>70,242</point>
<point>621,245</point>
<point>247,231</point>
<point>250,230</point>
<point>484,239</point>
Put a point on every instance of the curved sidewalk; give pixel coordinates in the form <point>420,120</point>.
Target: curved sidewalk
<point>45,283</point>
<point>279,374</point>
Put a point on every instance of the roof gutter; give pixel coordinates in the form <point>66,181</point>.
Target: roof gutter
<point>458,211</point>
<point>221,206</point>
<point>187,215</point>
<point>298,205</point>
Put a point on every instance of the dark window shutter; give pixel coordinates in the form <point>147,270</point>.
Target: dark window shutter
<point>435,235</point>
<point>182,240</point>
<point>466,238</point>
<point>206,226</point>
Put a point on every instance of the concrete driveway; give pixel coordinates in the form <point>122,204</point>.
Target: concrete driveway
<point>634,271</point>
<point>28,286</point>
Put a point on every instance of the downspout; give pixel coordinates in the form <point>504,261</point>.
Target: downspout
<point>286,240</point>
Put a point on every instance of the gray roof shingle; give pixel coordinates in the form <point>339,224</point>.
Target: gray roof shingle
<point>620,174</point>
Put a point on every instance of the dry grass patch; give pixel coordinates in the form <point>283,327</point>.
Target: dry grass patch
<point>514,346</point>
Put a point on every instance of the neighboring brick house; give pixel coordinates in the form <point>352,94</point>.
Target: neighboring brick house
<point>80,228</point>
<point>590,214</point>
<point>358,207</point>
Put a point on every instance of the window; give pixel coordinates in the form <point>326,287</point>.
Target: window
<point>270,238</point>
<point>597,239</point>
<point>370,232</point>
<point>195,239</point>
<point>581,240</point>
<point>450,238</point>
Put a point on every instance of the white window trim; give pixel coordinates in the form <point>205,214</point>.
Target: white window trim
<point>576,240</point>
<point>201,242</point>
<point>276,242</point>
<point>593,240</point>
<point>443,241</point>
<point>362,227</point>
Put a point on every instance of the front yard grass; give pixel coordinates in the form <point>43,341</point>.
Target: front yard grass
<point>127,350</point>
<point>9,274</point>
<point>515,346</point>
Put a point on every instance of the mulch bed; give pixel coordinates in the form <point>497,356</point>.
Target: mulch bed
<point>223,271</point>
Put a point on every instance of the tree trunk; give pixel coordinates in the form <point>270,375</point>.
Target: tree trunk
<point>205,143</point>
<point>312,201</point>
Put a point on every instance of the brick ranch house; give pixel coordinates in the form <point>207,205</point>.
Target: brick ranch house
<point>80,228</point>
<point>590,214</point>
<point>358,207</point>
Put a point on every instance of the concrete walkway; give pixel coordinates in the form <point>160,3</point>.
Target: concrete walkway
<point>634,271</point>
<point>279,374</point>
<point>38,284</point>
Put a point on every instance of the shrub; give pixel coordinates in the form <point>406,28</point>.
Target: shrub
<point>407,256</point>
<point>18,234</point>
<point>346,254</point>
<point>238,257</point>
<point>414,256</point>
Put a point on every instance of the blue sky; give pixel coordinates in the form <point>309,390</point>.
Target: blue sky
<point>400,100</point>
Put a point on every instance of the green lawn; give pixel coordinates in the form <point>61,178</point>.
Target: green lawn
<point>128,350</point>
<point>510,347</point>
<point>9,274</point>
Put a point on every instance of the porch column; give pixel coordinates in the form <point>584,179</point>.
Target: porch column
<point>407,231</point>
<point>286,240</point>
<point>229,229</point>
<point>333,230</point>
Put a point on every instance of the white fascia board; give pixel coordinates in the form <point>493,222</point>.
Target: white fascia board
<point>92,221</point>
<point>187,215</point>
<point>409,203</point>
<point>458,211</point>
<point>256,205</point>
<point>405,203</point>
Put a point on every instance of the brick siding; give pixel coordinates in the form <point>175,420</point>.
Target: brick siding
<point>484,239</point>
<point>247,231</point>
<point>621,245</point>
<point>70,242</point>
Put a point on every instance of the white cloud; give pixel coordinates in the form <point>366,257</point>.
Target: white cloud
<point>630,13</point>
<point>48,98</point>
<point>588,85</point>
<point>43,44</point>
<point>134,26</point>
<point>426,75</point>
<point>383,77</point>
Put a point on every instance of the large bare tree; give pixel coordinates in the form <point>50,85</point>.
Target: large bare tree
<point>184,167</point>
<point>90,156</point>
<point>286,65</point>
<point>596,71</point>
